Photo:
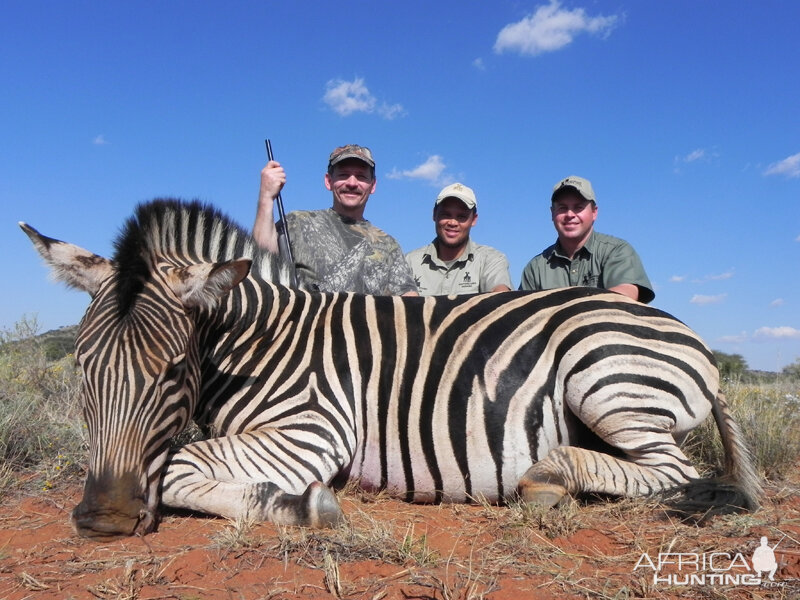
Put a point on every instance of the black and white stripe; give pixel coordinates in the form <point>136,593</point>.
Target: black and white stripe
<point>431,398</point>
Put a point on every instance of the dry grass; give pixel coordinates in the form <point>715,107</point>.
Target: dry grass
<point>41,429</point>
<point>456,552</point>
<point>769,417</point>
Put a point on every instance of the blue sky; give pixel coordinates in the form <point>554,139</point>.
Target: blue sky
<point>683,114</point>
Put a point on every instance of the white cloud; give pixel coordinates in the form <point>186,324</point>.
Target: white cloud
<point>777,333</point>
<point>777,302</point>
<point>716,277</point>
<point>703,300</point>
<point>432,171</point>
<point>694,155</point>
<point>763,334</point>
<point>550,28</point>
<point>390,111</point>
<point>478,64</point>
<point>721,276</point>
<point>788,166</point>
<point>734,339</point>
<point>348,97</point>
<point>100,140</point>
<point>677,278</point>
<point>698,155</point>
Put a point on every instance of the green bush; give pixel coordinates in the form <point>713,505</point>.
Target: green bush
<point>41,429</point>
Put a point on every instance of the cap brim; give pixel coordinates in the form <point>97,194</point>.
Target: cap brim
<point>360,157</point>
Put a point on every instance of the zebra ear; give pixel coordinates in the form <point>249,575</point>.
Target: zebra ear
<point>70,264</point>
<point>203,285</point>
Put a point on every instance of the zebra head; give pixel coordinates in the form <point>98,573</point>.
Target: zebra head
<point>137,350</point>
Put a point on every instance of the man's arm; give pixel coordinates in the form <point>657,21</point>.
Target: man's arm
<point>495,273</point>
<point>273,178</point>
<point>623,272</point>
<point>626,289</point>
<point>401,276</point>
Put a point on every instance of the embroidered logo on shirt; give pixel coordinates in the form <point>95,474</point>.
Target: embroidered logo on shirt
<point>590,280</point>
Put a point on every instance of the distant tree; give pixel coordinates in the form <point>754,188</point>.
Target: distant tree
<point>730,365</point>
<point>58,346</point>
<point>792,371</point>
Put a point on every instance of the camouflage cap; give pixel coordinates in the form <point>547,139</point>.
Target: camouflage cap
<point>579,184</point>
<point>361,153</point>
<point>460,191</point>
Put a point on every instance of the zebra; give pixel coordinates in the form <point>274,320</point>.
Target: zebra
<point>529,395</point>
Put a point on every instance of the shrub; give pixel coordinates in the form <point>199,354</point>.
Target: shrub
<point>41,429</point>
<point>768,415</point>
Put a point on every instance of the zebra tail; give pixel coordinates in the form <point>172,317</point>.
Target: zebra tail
<point>737,489</point>
<point>739,468</point>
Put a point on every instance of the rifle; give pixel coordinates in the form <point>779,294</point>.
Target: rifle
<point>284,243</point>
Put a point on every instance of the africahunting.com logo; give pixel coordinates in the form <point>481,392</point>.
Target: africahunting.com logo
<point>760,567</point>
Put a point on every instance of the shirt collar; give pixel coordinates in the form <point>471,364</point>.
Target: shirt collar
<point>347,220</point>
<point>431,255</point>
<point>587,248</point>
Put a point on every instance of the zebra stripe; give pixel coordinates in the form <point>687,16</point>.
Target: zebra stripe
<point>434,399</point>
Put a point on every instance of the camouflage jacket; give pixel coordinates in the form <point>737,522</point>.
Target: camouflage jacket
<point>333,253</point>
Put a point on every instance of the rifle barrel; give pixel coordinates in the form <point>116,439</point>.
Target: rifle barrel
<point>284,243</point>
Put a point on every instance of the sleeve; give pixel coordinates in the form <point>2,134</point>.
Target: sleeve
<point>623,265</point>
<point>495,271</point>
<point>527,281</point>
<point>401,278</point>
<point>298,226</point>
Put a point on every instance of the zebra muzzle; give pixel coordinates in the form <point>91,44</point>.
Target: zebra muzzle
<point>111,509</point>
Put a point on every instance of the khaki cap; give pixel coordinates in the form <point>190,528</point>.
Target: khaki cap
<point>579,184</point>
<point>460,191</point>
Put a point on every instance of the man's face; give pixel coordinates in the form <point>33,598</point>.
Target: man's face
<point>351,182</point>
<point>573,216</point>
<point>453,222</point>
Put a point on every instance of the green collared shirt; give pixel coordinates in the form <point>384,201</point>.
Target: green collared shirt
<point>478,269</point>
<point>604,261</point>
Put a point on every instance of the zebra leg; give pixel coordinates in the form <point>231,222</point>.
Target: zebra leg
<point>232,477</point>
<point>655,465</point>
<point>317,506</point>
<point>263,501</point>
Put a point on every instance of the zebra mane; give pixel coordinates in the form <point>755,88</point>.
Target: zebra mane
<point>185,232</point>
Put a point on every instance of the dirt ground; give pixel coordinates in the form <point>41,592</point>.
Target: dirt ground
<point>391,550</point>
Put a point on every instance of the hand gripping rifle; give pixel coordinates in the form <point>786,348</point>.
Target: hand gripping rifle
<point>284,243</point>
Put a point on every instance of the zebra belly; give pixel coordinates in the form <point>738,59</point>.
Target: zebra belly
<point>438,476</point>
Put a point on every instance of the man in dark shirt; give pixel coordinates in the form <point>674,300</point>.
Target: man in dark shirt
<point>582,256</point>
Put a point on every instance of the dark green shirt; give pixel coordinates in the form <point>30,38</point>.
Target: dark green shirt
<point>603,262</point>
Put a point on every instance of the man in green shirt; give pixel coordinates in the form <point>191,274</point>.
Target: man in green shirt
<point>452,264</point>
<point>337,249</point>
<point>582,256</point>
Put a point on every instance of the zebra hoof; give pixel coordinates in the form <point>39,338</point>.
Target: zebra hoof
<point>543,494</point>
<point>324,509</point>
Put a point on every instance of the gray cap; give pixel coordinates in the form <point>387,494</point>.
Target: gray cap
<point>460,191</point>
<point>579,184</point>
